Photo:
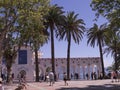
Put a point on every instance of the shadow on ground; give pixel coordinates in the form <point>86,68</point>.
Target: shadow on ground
<point>94,87</point>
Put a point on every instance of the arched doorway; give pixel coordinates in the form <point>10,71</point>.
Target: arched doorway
<point>81,72</point>
<point>41,71</point>
<point>22,72</point>
<point>62,69</point>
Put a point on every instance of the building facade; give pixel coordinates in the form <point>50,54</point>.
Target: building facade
<point>78,66</point>
<point>25,64</point>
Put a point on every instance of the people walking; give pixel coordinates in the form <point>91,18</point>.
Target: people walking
<point>19,78</point>
<point>47,78</point>
<point>101,76</point>
<point>65,79</point>
<point>12,77</point>
<point>87,76</point>
<point>95,75</point>
<point>113,76</point>
<point>118,76</point>
<point>51,77</point>
<point>92,75</point>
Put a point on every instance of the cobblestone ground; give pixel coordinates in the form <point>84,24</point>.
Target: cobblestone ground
<point>72,85</point>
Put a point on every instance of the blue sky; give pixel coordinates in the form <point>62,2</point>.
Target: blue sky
<point>81,7</point>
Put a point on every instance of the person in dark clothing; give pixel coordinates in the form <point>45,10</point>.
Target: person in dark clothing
<point>92,76</point>
<point>65,79</point>
<point>87,76</point>
<point>95,75</point>
<point>12,77</point>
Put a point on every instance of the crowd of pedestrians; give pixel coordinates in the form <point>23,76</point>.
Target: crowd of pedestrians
<point>52,78</point>
<point>115,76</point>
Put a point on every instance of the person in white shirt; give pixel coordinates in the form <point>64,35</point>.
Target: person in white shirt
<point>51,77</point>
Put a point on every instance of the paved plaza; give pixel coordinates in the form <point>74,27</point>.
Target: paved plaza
<point>73,85</point>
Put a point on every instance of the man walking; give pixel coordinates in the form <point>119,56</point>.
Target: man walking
<point>51,77</point>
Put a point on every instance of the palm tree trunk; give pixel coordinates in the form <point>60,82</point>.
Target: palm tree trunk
<point>37,65</point>
<point>115,57</point>
<point>68,59</point>
<point>52,51</point>
<point>101,56</point>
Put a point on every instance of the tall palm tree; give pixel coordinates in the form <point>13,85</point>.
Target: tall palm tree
<point>53,20</point>
<point>113,45</point>
<point>96,35</point>
<point>73,28</point>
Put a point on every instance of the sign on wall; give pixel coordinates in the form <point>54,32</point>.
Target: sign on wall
<point>22,57</point>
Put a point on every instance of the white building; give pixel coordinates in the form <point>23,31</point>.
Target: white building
<point>24,64</point>
<point>81,66</point>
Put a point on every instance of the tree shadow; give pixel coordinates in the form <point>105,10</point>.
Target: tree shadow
<point>93,87</point>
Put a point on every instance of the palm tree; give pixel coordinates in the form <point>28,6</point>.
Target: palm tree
<point>113,45</point>
<point>73,28</point>
<point>53,19</point>
<point>36,45</point>
<point>96,35</point>
<point>113,48</point>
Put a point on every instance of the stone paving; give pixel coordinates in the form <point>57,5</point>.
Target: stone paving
<point>73,85</point>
